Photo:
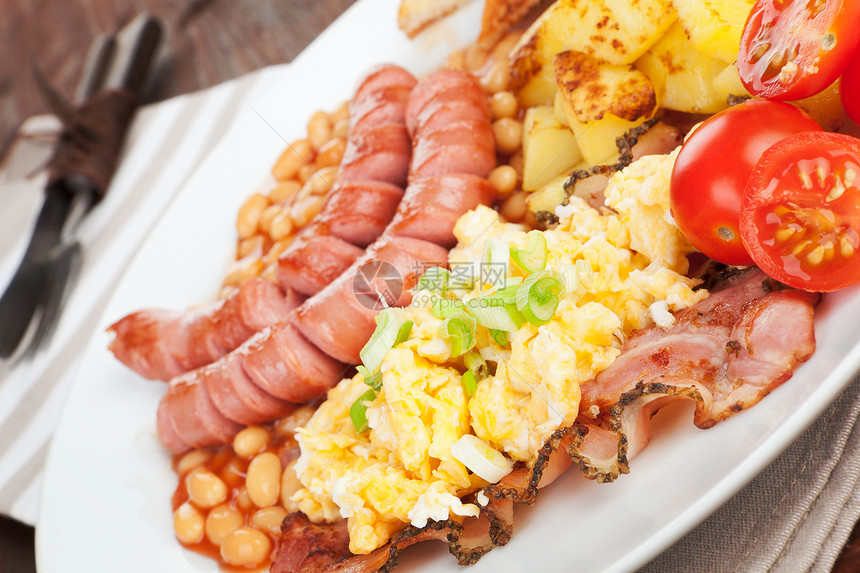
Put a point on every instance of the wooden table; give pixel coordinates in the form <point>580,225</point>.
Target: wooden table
<point>206,42</point>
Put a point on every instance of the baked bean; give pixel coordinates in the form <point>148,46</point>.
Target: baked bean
<point>284,190</point>
<point>263,480</point>
<point>319,129</point>
<point>530,220</point>
<point>290,484</point>
<point>497,78</point>
<point>270,273</point>
<point>331,152</point>
<point>269,519</point>
<point>249,215</point>
<point>188,524</point>
<point>514,207</point>
<point>340,113</point>
<point>250,247</point>
<point>246,546</point>
<point>509,135</point>
<point>456,60</point>
<point>275,252</point>
<point>297,419</point>
<point>516,161</point>
<point>502,49</point>
<point>475,58</point>
<point>191,460</point>
<point>294,156</point>
<point>244,269</point>
<point>243,500</point>
<point>305,173</point>
<point>222,521</point>
<point>269,213</point>
<point>504,104</point>
<point>306,209</point>
<point>251,441</point>
<point>504,179</point>
<point>233,472</point>
<point>321,181</point>
<point>282,226</point>
<point>205,489</point>
<point>341,129</point>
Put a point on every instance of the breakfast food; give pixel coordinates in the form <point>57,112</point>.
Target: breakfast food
<point>539,341</point>
<point>284,363</point>
<point>160,344</point>
<point>699,344</point>
<point>370,176</point>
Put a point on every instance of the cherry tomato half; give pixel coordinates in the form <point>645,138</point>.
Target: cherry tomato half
<point>712,169</point>
<point>800,217</point>
<point>792,49</point>
<point>849,89</point>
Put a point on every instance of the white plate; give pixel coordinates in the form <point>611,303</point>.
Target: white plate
<point>106,502</point>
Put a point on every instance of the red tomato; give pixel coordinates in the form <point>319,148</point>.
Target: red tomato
<point>800,217</point>
<point>792,49</point>
<point>849,89</point>
<point>712,169</point>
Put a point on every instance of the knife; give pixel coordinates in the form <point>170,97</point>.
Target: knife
<point>114,73</point>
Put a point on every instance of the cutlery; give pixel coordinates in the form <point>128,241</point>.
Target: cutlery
<point>114,73</point>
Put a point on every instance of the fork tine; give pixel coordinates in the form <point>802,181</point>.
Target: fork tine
<point>61,275</point>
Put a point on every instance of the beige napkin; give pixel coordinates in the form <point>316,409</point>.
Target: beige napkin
<point>795,516</point>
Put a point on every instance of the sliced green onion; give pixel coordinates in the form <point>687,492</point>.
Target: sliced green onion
<point>532,259</point>
<point>481,458</point>
<point>537,297</point>
<point>470,384</point>
<point>495,314</point>
<point>459,328</point>
<point>506,295</point>
<point>434,280</point>
<point>584,272</point>
<point>373,380</point>
<point>463,276</point>
<point>497,254</point>
<point>388,329</point>
<point>442,307</point>
<point>570,277</point>
<point>358,411</point>
<point>476,363</point>
<point>500,336</point>
<point>403,332</point>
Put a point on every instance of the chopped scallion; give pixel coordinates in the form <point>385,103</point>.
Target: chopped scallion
<point>495,314</point>
<point>459,328</point>
<point>500,336</point>
<point>442,307</point>
<point>497,254</point>
<point>537,297</point>
<point>532,259</point>
<point>470,384</point>
<point>434,280</point>
<point>358,411</point>
<point>388,329</point>
<point>476,363</point>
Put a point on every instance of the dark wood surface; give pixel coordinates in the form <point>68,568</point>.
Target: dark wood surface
<point>206,42</point>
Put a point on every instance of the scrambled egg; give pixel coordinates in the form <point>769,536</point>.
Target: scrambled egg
<point>628,264</point>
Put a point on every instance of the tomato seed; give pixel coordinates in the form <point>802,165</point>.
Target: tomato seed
<point>800,248</point>
<point>784,234</point>
<point>816,256</point>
